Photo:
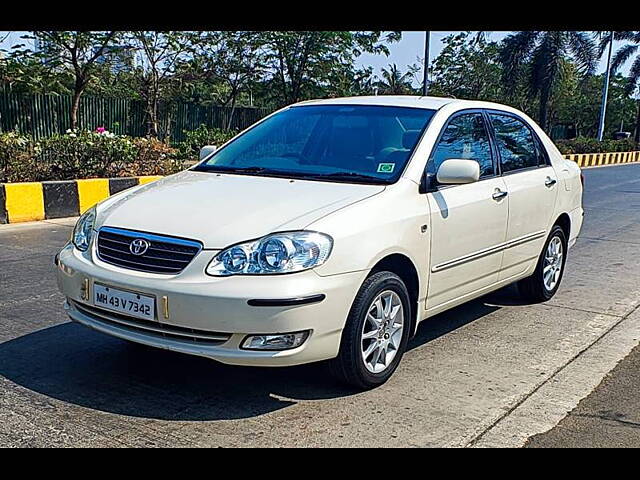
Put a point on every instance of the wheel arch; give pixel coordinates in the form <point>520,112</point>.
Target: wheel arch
<point>564,222</point>
<point>404,267</point>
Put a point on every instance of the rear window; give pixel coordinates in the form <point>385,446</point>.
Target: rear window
<point>516,143</point>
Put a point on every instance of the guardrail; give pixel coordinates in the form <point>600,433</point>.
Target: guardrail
<point>31,201</point>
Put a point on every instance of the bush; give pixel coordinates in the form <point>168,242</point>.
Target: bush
<point>189,148</point>
<point>152,157</point>
<point>592,145</point>
<point>16,157</point>
<point>84,154</point>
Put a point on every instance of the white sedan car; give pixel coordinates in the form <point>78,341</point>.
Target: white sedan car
<point>328,231</point>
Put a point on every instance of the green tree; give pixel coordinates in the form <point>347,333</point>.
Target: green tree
<point>230,60</point>
<point>75,53</point>
<point>539,60</point>
<point>394,82</point>
<point>348,82</point>
<point>629,52</point>
<point>159,53</point>
<point>468,67</point>
<point>578,104</point>
<point>302,64</point>
<point>110,82</point>
<point>27,74</point>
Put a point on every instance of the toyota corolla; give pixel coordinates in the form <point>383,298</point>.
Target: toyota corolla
<point>327,232</point>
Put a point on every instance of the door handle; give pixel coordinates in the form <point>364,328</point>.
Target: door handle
<point>550,182</point>
<point>499,195</point>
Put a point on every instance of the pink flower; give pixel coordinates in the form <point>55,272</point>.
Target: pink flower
<point>101,129</point>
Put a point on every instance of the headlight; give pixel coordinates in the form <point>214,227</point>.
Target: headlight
<point>277,253</point>
<point>83,231</point>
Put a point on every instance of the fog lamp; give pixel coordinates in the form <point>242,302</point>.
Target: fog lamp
<point>279,341</point>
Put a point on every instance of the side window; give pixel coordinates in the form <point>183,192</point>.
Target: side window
<point>465,137</point>
<point>516,143</point>
<point>543,156</point>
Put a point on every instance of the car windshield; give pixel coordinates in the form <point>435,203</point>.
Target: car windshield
<point>350,143</point>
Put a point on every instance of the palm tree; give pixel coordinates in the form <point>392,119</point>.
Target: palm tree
<point>629,51</point>
<point>539,58</point>
<point>394,82</point>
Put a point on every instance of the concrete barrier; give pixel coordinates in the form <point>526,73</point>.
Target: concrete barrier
<point>31,201</point>
<point>598,159</point>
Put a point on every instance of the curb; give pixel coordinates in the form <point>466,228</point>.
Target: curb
<point>599,159</point>
<point>33,201</point>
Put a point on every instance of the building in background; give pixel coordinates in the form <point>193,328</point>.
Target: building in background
<point>120,58</point>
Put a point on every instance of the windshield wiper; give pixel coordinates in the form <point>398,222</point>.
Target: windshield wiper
<point>354,176</point>
<point>226,169</point>
<point>281,173</point>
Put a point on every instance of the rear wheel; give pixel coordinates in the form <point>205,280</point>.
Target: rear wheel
<point>376,332</point>
<point>545,281</point>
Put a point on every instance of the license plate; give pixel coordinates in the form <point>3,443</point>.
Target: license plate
<point>122,301</point>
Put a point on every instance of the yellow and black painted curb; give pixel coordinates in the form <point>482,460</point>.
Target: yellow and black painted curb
<point>31,201</point>
<point>598,159</point>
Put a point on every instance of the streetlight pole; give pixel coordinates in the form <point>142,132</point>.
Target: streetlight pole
<point>425,81</point>
<point>605,90</point>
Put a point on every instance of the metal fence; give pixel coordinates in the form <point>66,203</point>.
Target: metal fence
<point>41,115</point>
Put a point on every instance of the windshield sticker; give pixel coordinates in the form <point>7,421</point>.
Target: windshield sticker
<point>386,167</point>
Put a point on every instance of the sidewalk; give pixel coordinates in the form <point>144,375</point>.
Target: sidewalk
<point>608,417</point>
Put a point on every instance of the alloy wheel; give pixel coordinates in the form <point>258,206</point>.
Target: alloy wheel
<point>382,331</point>
<point>552,263</point>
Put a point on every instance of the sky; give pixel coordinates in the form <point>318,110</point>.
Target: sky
<point>410,49</point>
<point>405,52</point>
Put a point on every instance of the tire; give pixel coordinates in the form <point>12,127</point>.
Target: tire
<point>349,366</point>
<point>534,288</point>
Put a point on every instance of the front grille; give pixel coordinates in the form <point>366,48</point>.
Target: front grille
<point>163,255</point>
<point>151,328</point>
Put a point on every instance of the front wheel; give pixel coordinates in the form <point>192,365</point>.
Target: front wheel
<point>376,332</point>
<point>545,281</point>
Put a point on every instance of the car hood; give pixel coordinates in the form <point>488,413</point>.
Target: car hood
<point>223,209</point>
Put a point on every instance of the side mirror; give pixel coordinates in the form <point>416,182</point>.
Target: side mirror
<point>458,171</point>
<point>206,151</point>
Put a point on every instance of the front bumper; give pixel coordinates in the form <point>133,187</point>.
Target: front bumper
<point>216,307</point>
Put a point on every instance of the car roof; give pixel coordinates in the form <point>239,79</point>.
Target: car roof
<point>414,101</point>
<point>434,103</point>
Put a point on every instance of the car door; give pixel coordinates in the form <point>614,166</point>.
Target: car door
<point>532,187</point>
<point>468,222</point>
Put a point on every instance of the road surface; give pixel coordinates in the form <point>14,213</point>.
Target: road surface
<point>493,372</point>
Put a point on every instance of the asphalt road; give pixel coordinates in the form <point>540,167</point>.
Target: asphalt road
<point>493,372</point>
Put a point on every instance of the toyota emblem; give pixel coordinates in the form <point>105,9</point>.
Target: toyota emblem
<point>139,246</point>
